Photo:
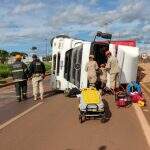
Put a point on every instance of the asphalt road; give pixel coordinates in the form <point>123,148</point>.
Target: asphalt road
<point>54,125</point>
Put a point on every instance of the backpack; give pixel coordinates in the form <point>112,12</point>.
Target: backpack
<point>133,86</point>
<point>121,99</point>
<point>136,97</point>
<point>73,92</point>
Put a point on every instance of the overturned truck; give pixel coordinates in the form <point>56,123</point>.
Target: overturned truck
<point>69,58</point>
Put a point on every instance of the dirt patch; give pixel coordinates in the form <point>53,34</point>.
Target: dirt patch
<point>143,72</point>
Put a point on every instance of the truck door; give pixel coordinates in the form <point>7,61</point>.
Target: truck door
<point>73,62</point>
<point>53,75</point>
<point>54,64</point>
<point>76,65</point>
<point>68,58</point>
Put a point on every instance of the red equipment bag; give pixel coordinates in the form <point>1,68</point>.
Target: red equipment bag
<point>135,97</point>
<point>122,102</point>
<point>121,99</point>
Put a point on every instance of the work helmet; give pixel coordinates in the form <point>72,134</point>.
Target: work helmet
<point>91,56</point>
<point>18,57</point>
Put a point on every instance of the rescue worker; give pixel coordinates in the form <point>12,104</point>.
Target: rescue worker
<point>113,69</point>
<point>103,75</point>
<point>91,68</point>
<point>37,72</point>
<point>19,73</point>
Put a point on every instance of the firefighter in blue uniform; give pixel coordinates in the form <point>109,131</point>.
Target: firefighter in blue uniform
<point>19,73</point>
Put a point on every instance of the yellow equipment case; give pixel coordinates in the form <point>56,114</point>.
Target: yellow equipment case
<point>91,95</point>
<point>93,105</point>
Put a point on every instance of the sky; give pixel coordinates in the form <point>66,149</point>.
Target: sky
<point>28,23</point>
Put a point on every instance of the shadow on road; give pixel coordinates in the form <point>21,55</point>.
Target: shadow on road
<point>107,110</point>
<point>103,147</point>
<point>51,93</point>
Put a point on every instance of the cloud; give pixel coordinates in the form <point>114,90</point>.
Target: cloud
<point>80,19</point>
<point>82,14</point>
<point>146,28</point>
<point>94,1</point>
<point>73,14</point>
<point>27,7</point>
<point>3,24</point>
<point>25,34</point>
<point>128,12</point>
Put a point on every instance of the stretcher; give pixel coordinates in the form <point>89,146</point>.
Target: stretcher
<point>91,105</point>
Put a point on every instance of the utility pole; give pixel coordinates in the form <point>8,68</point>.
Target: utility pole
<point>46,47</point>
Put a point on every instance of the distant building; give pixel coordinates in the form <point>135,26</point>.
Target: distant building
<point>11,60</point>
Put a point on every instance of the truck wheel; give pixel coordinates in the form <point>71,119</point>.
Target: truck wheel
<point>103,120</point>
<point>80,118</point>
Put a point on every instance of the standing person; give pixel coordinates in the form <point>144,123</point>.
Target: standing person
<point>37,72</point>
<point>113,69</point>
<point>91,68</point>
<point>19,73</point>
<point>103,75</point>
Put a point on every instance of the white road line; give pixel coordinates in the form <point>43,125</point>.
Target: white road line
<point>144,123</point>
<point>19,116</point>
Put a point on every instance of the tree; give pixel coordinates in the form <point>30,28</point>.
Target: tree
<point>3,56</point>
<point>47,58</point>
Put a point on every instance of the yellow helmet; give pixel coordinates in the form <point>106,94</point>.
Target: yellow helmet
<point>141,103</point>
<point>18,57</point>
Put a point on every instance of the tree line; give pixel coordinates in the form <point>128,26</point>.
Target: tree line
<point>4,55</point>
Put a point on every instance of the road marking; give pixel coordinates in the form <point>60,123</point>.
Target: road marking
<point>144,123</point>
<point>145,110</point>
<point>19,116</point>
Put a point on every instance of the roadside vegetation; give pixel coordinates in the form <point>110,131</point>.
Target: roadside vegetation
<point>5,71</point>
<point>47,66</point>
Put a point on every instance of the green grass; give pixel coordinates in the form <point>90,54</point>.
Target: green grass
<point>48,67</point>
<point>5,71</point>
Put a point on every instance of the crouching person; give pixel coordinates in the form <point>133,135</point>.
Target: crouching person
<point>37,73</point>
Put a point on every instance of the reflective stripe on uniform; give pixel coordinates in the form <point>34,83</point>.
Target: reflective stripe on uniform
<point>19,80</point>
<point>19,70</point>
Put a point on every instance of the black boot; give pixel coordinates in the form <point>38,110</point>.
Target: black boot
<point>18,99</point>
<point>24,96</point>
